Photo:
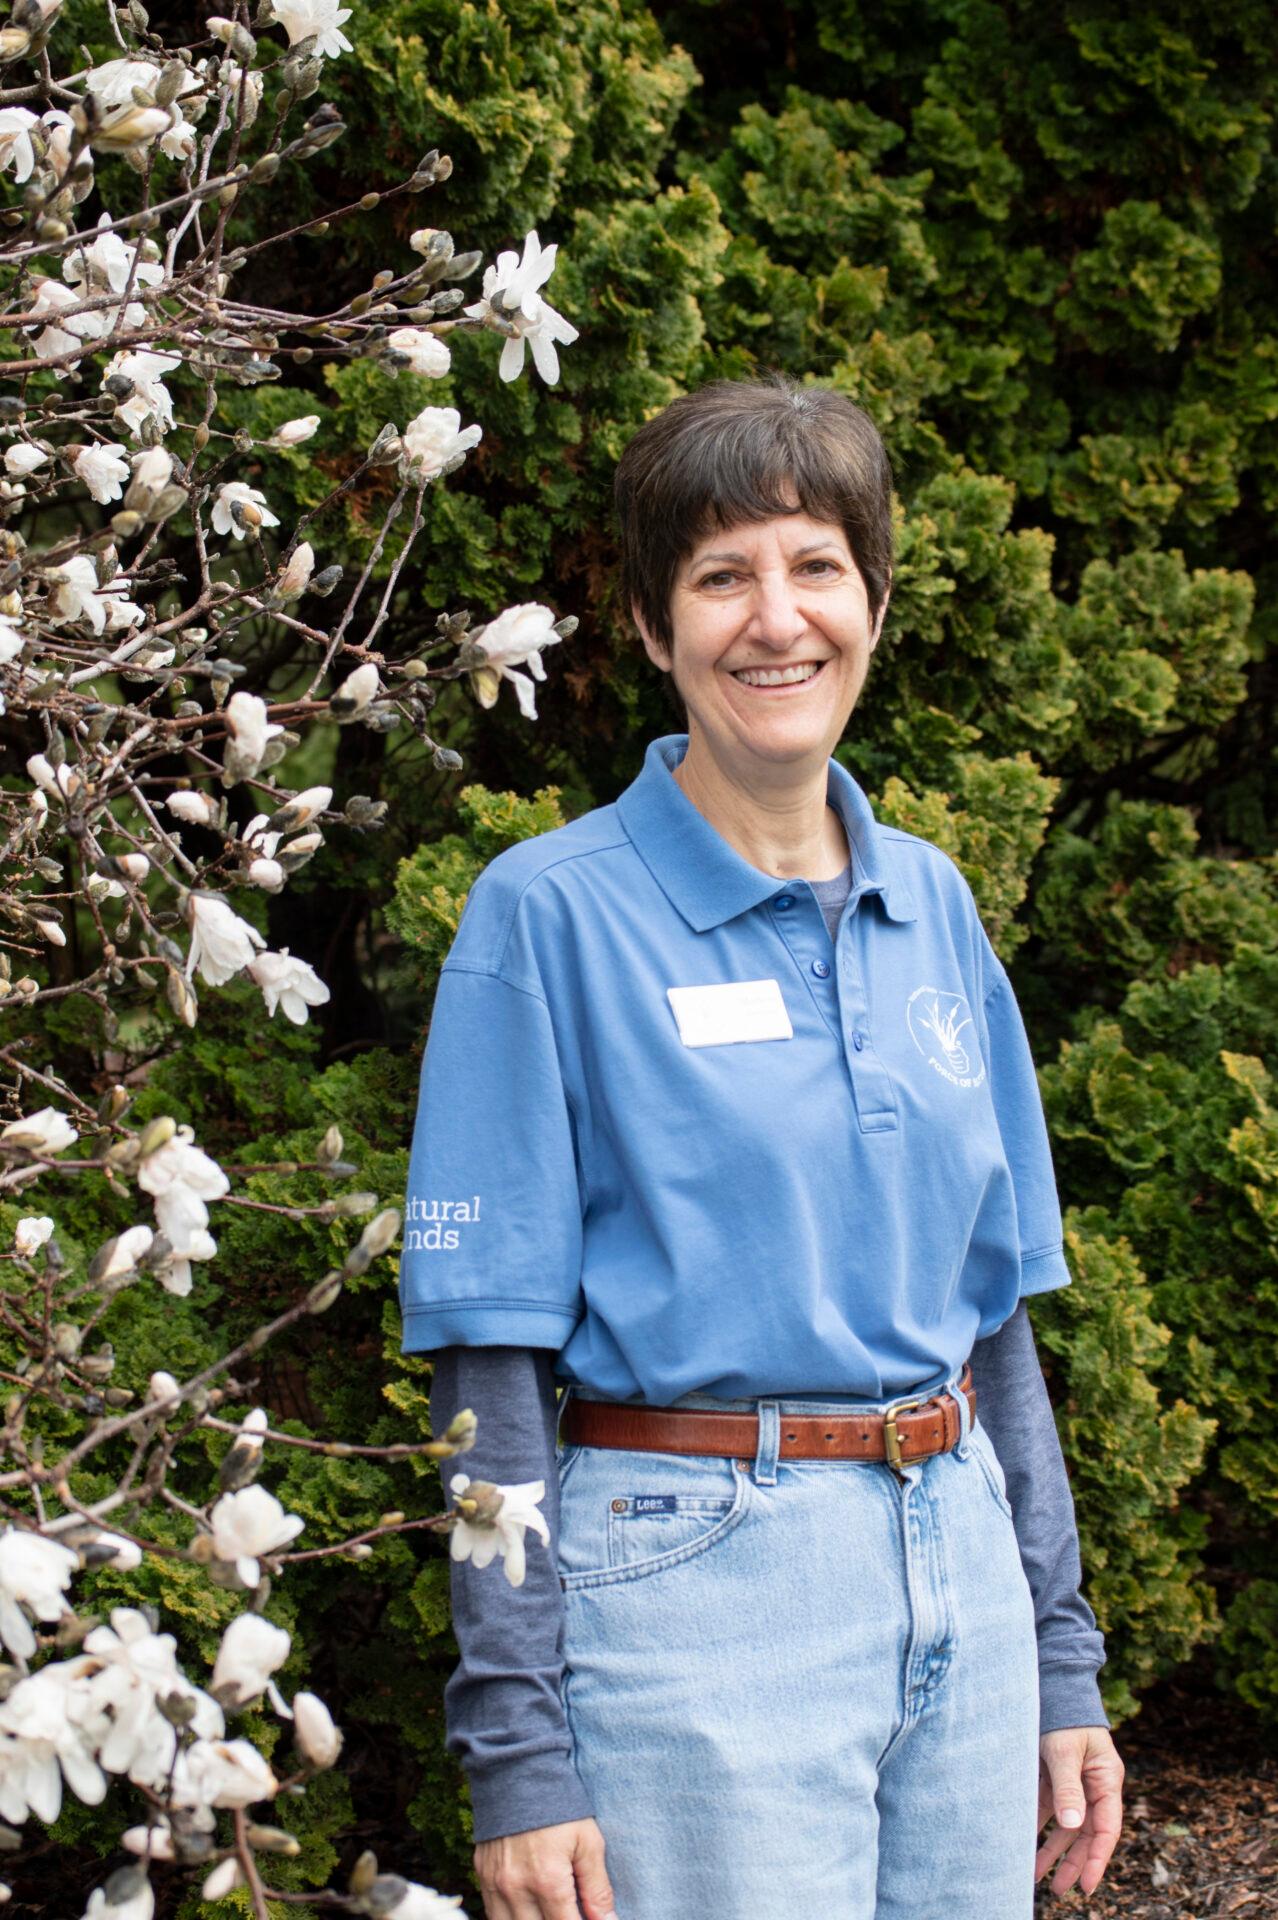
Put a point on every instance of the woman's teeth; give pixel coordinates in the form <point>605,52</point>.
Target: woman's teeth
<point>778,676</point>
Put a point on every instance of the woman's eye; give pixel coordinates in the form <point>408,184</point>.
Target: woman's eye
<point>828,565</point>
<point>717,579</point>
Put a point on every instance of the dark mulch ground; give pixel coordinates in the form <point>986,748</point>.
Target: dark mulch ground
<point>1201,1831</point>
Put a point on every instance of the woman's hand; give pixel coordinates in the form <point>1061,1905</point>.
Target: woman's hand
<point>1080,1780</point>
<point>548,1873</point>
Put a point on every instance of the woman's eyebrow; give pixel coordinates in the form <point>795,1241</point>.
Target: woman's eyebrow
<point>741,560</point>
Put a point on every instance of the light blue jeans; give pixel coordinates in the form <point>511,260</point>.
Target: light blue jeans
<point>801,1689</point>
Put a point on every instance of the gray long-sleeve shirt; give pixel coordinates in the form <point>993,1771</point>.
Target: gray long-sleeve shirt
<point>505,1720</point>
<point>502,1704</point>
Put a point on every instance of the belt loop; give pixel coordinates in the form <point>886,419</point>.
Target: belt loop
<point>964,1411</point>
<point>769,1447</point>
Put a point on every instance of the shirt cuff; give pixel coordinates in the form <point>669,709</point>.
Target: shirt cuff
<point>486,1323</point>
<point>1069,1697</point>
<point>1044,1270</point>
<point>537,1790</point>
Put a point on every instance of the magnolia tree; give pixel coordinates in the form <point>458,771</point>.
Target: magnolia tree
<point>121,328</point>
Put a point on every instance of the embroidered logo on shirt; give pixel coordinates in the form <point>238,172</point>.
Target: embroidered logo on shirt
<point>941,1027</point>
<point>432,1235</point>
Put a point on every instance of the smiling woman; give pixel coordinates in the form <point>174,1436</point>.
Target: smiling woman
<point>767,1186</point>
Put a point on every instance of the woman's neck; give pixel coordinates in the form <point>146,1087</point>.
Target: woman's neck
<point>786,828</point>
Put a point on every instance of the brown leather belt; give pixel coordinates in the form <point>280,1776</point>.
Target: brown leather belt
<point>909,1430</point>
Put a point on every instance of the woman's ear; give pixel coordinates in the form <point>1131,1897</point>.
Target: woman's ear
<point>657,652</point>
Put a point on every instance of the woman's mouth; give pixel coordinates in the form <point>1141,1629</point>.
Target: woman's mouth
<point>773,679</point>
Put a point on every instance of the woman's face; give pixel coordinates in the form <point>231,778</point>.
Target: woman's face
<point>759,601</point>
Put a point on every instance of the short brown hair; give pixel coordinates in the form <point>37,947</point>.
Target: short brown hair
<point>740,451</point>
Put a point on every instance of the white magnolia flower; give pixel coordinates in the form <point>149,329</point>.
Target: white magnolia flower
<point>161,1385</point>
<point>63,780</point>
<point>60,129</point>
<point>12,639</point>
<point>134,866</point>
<point>179,142</point>
<point>41,1743</point>
<point>427,353</point>
<point>152,469</point>
<point>319,1741</point>
<point>221,943</point>
<point>250,730</point>
<point>291,984</point>
<point>46,1131</point>
<point>250,1438</point>
<point>434,438</point>
<point>304,806</point>
<point>147,371</point>
<point>222,1773</point>
<point>131,1668</point>
<point>23,458</point>
<point>76,594</point>
<point>16,150</point>
<point>515,638</point>
<point>302,18</point>
<point>246,1524</point>
<point>64,336</point>
<point>255,835</point>
<point>114,81</point>
<point>225,1877</point>
<point>181,1178</point>
<point>511,293</point>
<point>31,1233</point>
<point>251,1647</point>
<point>291,433</point>
<point>237,491</point>
<point>267,874</point>
<point>103,471</point>
<point>120,611</point>
<point>154,1842</point>
<point>121,1254</point>
<point>480,1540</point>
<point>34,1573</point>
<point>197,809</point>
<point>137,1905</point>
<point>126,1555</point>
<point>108,264</point>
<point>423,1903</point>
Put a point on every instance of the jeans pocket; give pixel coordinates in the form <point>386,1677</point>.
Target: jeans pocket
<point>991,1466</point>
<point>628,1516</point>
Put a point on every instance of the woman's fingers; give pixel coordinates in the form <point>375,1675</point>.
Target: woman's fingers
<point>536,1875</point>
<point>593,1887</point>
<point>1082,1783</point>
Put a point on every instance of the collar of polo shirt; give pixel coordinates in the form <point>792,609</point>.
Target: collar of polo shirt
<point>706,878</point>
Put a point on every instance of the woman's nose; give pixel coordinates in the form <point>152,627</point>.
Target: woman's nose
<point>778,620</point>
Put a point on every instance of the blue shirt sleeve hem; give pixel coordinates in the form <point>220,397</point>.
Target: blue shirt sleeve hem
<point>486,1323</point>
<point>1044,1271</point>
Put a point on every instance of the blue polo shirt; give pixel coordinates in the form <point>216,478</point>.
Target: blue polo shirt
<point>843,1208</point>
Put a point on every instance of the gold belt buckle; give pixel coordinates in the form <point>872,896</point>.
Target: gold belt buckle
<point>891,1438</point>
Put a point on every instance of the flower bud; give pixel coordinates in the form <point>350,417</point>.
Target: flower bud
<point>295,579</point>
<point>381,1233</point>
<point>318,1741</point>
<point>355,692</point>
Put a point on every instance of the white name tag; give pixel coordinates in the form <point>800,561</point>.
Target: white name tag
<point>734,1010</point>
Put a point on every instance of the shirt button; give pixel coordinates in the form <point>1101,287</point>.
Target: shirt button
<point>783,902</point>
<point>821,968</point>
<point>858,1041</point>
